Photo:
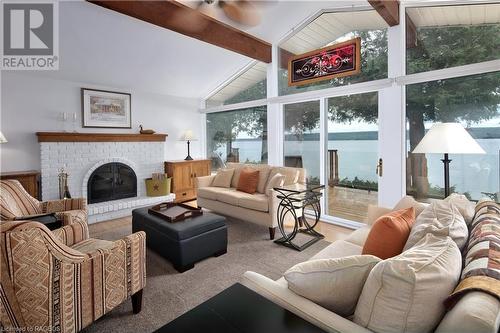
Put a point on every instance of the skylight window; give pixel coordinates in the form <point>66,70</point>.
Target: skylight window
<point>249,85</point>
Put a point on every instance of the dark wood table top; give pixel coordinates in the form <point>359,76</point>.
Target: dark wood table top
<point>239,310</point>
<point>19,173</point>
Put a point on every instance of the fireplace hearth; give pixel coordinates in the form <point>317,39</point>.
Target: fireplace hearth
<point>111,181</point>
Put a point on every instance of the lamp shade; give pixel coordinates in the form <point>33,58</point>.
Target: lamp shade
<point>448,138</point>
<point>187,136</point>
<point>3,139</point>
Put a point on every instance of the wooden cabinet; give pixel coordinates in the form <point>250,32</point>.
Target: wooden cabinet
<point>201,169</point>
<point>183,175</point>
<point>29,179</point>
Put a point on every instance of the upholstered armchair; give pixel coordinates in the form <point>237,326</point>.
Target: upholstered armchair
<point>16,203</point>
<point>63,280</point>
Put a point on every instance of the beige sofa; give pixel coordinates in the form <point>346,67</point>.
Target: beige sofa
<point>476,312</point>
<point>259,208</point>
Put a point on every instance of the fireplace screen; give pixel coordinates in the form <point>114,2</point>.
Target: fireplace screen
<point>111,181</point>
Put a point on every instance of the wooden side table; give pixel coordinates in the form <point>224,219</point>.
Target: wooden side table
<point>183,175</point>
<point>29,179</point>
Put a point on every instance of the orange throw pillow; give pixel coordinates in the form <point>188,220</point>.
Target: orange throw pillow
<point>249,179</point>
<point>389,234</point>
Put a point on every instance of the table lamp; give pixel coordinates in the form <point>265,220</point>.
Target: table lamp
<point>3,139</point>
<point>448,138</point>
<point>188,136</point>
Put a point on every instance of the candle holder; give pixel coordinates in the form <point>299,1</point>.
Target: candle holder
<point>63,184</point>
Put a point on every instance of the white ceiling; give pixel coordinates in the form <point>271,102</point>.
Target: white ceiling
<point>328,27</point>
<point>455,15</point>
<point>102,47</point>
<point>256,73</point>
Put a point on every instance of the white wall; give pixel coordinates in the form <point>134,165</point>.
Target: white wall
<point>32,104</point>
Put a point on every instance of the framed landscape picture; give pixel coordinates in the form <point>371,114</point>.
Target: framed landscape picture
<point>108,109</point>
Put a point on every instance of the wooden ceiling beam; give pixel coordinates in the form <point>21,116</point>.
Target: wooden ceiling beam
<point>284,57</point>
<point>411,33</point>
<point>388,9</point>
<point>170,14</point>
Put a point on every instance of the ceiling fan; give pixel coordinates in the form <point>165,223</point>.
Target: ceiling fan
<point>243,12</point>
<point>240,11</point>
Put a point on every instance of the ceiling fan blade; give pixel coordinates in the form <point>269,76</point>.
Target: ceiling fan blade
<point>241,11</point>
<point>190,21</point>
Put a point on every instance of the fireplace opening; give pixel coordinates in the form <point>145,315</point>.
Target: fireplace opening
<point>111,181</point>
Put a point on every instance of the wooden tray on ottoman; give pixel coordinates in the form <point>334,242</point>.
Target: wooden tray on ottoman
<point>174,212</point>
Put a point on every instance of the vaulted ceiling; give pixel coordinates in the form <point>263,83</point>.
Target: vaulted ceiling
<point>102,47</point>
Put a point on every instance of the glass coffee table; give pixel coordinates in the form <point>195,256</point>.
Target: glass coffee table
<point>295,200</point>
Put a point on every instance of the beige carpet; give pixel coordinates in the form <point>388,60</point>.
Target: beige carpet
<point>168,294</point>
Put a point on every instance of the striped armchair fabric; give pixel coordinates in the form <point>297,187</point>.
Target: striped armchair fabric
<point>64,280</point>
<point>16,203</point>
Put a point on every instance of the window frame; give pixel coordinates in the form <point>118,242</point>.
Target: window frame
<point>389,89</point>
<point>205,131</point>
<point>227,82</point>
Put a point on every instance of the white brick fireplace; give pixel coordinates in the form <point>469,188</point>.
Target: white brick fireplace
<point>80,159</point>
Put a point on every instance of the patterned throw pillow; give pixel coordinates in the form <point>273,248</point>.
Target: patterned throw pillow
<point>482,260</point>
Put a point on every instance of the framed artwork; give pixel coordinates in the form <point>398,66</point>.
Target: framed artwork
<point>342,59</point>
<point>108,109</point>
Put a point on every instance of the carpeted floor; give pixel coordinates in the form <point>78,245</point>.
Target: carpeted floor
<point>169,294</point>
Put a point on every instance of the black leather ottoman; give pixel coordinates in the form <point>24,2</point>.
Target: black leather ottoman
<point>186,242</point>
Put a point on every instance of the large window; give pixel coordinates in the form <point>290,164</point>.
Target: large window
<point>348,132</point>
<point>237,136</point>
<point>473,101</point>
<point>446,36</point>
<point>332,28</point>
<point>301,144</point>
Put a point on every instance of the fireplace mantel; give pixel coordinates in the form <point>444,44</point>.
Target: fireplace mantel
<point>98,137</point>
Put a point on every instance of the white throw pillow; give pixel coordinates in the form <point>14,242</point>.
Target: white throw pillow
<point>276,181</point>
<point>409,201</point>
<point>464,206</point>
<point>335,284</point>
<point>291,174</point>
<point>440,218</point>
<point>223,178</point>
<point>374,212</point>
<point>405,294</point>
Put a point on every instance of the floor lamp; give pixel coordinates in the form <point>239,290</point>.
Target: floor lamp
<point>448,138</point>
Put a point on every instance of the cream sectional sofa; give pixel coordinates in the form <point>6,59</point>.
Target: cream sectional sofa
<point>259,208</point>
<point>476,312</point>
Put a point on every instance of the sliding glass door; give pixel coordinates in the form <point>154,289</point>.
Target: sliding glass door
<point>352,155</point>
<point>351,148</point>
